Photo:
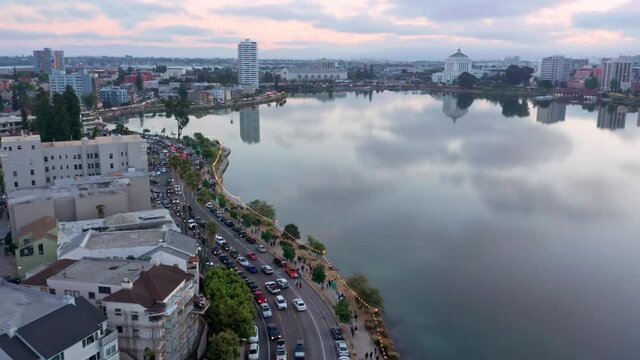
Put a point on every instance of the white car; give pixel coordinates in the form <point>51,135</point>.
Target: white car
<point>254,352</point>
<point>272,287</point>
<point>282,283</point>
<point>255,337</point>
<point>192,223</point>
<point>299,304</point>
<point>342,348</point>
<point>268,270</point>
<point>209,205</point>
<point>243,261</point>
<point>266,310</point>
<point>281,302</point>
<point>261,249</point>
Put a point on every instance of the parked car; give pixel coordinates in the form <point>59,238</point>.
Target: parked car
<point>254,352</point>
<point>268,270</point>
<point>234,253</point>
<point>281,349</point>
<point>273,332</point>
<point>251,255</point>
<point>224,259</point>
<point>272,287</point>
<point>298,353</point>
<point>259,297</point>
<point>299,304</point>
<point>226,246</point>
<point>216,250</point>
<point>282,283</point>
<point>280,262</point>
<point>232,266</point>
<point>253,286</point>
<point>254,338</point>
<point>337,334</point>
<point>342,348</point>
<point>252,269</point>
<point>261,249</point>
<point>266,310</point>
<point>209,205</point>
<point>242,260</point>
<point>281,302</point>
<point>251,240</point>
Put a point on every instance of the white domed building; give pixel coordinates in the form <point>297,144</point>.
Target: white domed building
<point>455,65</point>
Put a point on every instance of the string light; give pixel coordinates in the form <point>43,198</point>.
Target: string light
<point>378,324</point>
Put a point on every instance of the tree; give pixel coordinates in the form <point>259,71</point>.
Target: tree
<point>291,232</point>
<point>178,108</point>
<point>360,284</point>
<point>120,77</point>
<point>467,80</point>
<point>204,195</point>
<point>263,208</point>
<point>545,84</point>
<point>464,101</point>
<point>211,229</point>
<point>316,245</point>
<point>160,69</point>
<point>224,346</point>
<point>139,83</point>
<point>44,116</point>
<point>267,235</point>
<point>231,300</point>
<point>591,83</point>
<point>343,312</point>
<point>512,106</point>
<point>60,119</point>
<point>73,110</point>
<point>288,251</point>
<point>90,100</point>
<point>613,85</point>
<point>318,275</point>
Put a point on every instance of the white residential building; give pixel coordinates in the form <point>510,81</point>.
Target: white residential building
<point>617,70</point>
<point>29,163</point>
<point>511,60</point>
<point>114,95</point>
<point>248,70</point>
<point>38,325</point>
<point>81,82</point>
<point>320,70</point>
<point>555,69</point>
<point>150,305</point>
<point>455,65</point>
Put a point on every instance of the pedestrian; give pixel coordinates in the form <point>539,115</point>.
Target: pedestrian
<point>366,355</point>
<point>356,329</point>
<point>355,316</point>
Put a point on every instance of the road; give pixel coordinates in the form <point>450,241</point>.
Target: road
<point>312,326</point>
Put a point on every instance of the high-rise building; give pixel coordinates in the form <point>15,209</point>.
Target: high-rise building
<point>555,112</point>
<point>511,60</point>
<point>248,71</point>
<point>555,69</point>
<point>81,82</point>
<point>47,60</point>
<point>612,117</point>
<point>616,71</point>
<point>114,95</point>
<point>250,125</point>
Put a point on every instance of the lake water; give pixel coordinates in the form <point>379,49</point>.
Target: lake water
<point>494,228</point>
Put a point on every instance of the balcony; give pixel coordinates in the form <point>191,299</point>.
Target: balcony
<point>200,304</point>
<point>109,336</point>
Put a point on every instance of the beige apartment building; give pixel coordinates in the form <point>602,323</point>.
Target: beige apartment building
<point>29,163</point>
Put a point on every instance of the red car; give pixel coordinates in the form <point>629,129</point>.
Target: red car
<point>251,255</point>
<point>259,296</point>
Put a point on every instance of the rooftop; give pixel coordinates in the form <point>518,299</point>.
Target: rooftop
<point>458,54</point>
<point>102,271</point>
<point>40,228</point>
<point>98,140</point>
<point>20,305</point>
<point>40,278</point>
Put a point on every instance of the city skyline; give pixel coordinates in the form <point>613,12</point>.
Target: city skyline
<point>390,29</point>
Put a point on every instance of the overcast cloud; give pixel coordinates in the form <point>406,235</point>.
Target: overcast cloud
<point>387,29</point>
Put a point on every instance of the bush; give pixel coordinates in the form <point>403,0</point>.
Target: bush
<point>231,302</point>
<point>360,284</point>
<point>343,312</point>
<point>318,275</point>
<point>287,250</point>
<point>316,245</point>
<point>224,346</point>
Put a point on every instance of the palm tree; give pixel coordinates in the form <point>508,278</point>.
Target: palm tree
<point>211,229</point>
<point>204,196</point>
<point>175,161</point>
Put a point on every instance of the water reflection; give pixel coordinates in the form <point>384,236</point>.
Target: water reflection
<point>250,125</point>
<point>612,117</point>
<point>551,112</point>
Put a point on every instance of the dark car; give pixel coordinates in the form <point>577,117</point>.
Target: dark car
<point>234,253</point>
<point>200,222</point>
<point>232,266</point>
<point>242,234</point>
<point>250,239</point>
<point>280,262</point>
<point>298,353</point>
<point>253,286</point>
<point>337,333</point>
<point>226,247</point>
<point>273,331</point>
<point>216,250</point>
<point>252,269</point>
<point>243,275</point>
<point>223,259</point>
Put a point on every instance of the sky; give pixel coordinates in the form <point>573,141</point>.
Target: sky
<point>310,29</point>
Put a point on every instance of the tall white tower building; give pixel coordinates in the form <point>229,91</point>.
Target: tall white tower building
<point>248,72</point>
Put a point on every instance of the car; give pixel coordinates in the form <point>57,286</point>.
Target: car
<point>209,205</point>
<point>281,302</point>
<point>223,259</point>
<point>261,249</point>
<point>298,352</point>
<point>243,275</point>
<point>251,255</point>
<point>265,309</point>
<point>192,224</point>
<point>242,261</point>
<point>226,247</point>
<point>242,234</point>
<point>208,262</point>
<point>344,358</point>
<point>232,266</point>
<point>280,262</point>
<point>254,352</point>
<point>254,338</point>
<point>337,334</point>
<point>342,348</point>
<point>216,250</point>
<point>268,270</point>
<point>282,283</point>
<point>259,297</point>
<point>251,240</point>
<point>299,304</point>
<point>272,287</point>
<point>234,253</point>
<point>253,286</point>
<point>273,332</point>
<point>252,269</point>
<point>281,349</point>
<point>219,239</point>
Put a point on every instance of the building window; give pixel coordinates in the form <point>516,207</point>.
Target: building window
<point>111,165</point>
<point>76,293</point>
<point>74,157</point>
<point>46,159</point>
<point>33,183</point>
<point>26,251</point>
<point>119,328</point>
<point>53,167</point>
<point>15,184</point>
<point>95,155</point>
<point>58,357</point>
<point>40,249</point>
<point>75,167</point>
<point>110,351</point>
<point>80,167</point>
<point>15,173</point>
<point>118,311</point>
<point>88,340</point>
<point>110,155</point>
<point>52,291</point>
<point>48,179</point>
<point>10,148</point>
<point>33,147</point>
<point>136,333</point>
<point>134,315</point>
<point>68,292</point>
<point>104,290</point>
<point>95,356</point>
<point>121,153</point>
<point>19,147</point>
<point>32,172</point>
<point>92,295</point>
<point>46,169</point>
